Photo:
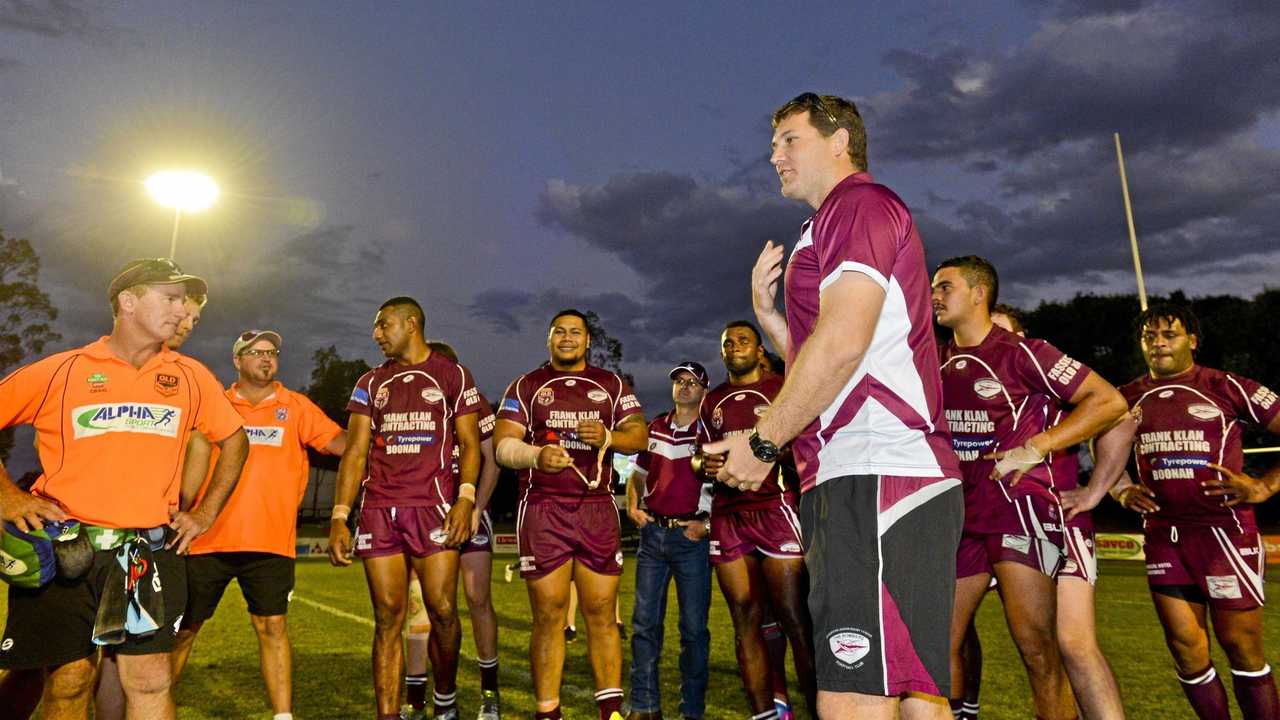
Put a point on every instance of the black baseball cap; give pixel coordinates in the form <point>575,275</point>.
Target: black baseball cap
<point>694,368</point>
<point>154,271</point>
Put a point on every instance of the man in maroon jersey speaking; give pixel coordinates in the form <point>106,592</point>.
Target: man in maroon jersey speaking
<point>559,426</point>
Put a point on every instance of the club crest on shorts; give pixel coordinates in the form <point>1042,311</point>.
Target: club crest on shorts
<point>849,646</point>
<point>545,396</point>
<point>166,385</point>
<point>383,395</point>
<point>597,396</point>
<point>432,395</point>
<point>1203,411</point>
<point>987,388</point>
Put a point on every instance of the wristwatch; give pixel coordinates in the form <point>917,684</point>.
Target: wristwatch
<point>764,450</point>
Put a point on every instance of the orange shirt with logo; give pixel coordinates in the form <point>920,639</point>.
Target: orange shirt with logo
<point>111,437</point>
<point>262,513</point>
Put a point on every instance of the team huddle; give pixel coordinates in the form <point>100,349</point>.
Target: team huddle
<point>855,497</point>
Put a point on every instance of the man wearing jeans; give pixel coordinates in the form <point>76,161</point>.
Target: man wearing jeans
<point>673,542</point>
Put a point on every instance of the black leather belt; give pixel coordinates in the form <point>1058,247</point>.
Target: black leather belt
<point>669,521</point>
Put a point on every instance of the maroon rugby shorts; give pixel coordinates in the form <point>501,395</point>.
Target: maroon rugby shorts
<point>552,531</point>
<point>413,531</point>
<point>772,531</point>
<point>482,539</point>
<point>1224,565</point>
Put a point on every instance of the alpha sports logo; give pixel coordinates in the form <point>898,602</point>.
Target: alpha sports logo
<point>146,418</point>
<point>849,646</point>
<point>272,435</point>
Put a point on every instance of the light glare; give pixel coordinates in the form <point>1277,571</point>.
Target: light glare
<point>183,190</point>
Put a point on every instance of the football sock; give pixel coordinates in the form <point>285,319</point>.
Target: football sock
<point>1206,694</point>
<point>488,674</point>
<point>443,702</point>
<point>1255,691</point>
<point>609,700</point>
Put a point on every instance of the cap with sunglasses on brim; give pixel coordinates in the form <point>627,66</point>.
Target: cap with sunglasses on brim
<point>154,271</point>
<point>249,337</point>
<point>693,368</point>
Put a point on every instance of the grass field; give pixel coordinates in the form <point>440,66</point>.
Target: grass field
<point>330,623</point>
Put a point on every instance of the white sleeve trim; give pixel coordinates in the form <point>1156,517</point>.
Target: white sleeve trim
<point>851,266</point>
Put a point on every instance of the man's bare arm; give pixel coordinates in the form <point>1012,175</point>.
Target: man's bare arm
<point>26,511</point>
<point>351,471</point>
<point>195,468</point>
<point>489,472</point>
<point>632,435</point>
<point>337,445</point>
<point>233,450</point>
<point>457,524</point>
<point>1240,487</point>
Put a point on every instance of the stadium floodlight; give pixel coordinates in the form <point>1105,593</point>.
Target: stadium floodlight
<point>183,191</point>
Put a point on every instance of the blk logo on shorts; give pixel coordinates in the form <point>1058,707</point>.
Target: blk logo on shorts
<point>849,646</point>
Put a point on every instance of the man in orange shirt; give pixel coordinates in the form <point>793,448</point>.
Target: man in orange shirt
<point>253,540</point>
<point>113,419</point>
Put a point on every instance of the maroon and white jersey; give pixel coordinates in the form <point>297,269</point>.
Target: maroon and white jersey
<point>549,404</point>
<point>671,487</point>
<point>411,411</point>
<point>887,419</point>
<point>729,410</point>
<point>1185,422</point>
<point>999,394</point>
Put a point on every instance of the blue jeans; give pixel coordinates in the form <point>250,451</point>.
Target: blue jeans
<point>664,553</point>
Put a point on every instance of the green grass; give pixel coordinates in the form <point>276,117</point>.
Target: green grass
<point>331,654</point>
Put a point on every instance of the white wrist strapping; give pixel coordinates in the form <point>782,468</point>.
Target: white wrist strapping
<point>516,454</point>
<point>1020,458</point>
<point>467,491</point>
<point>340,512</point>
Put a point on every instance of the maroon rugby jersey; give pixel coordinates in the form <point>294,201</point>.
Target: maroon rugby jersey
<point>734,410</point>
<point>671,487</point>
<point>999,394</point>
<point>411,411</point>
<point>887,420</point>
<point>1184,422</point>
<point>549,404</point>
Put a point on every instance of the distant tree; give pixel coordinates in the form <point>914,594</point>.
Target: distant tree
<point>332,379</point>
<point>26,315</point>
<point>606,350</point>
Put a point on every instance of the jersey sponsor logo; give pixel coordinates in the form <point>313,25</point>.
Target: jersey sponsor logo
<point>1017,543</point>
<point>1226,587</point>
<point>1203,411</point>
<point>1263,397</point>
<point>629,402</point>
<point>1165,394</point>
<point>717,418</point>
<point>961,364</point>
<point>166,385</point>
<point>382,396</point>
<point>364,541</point>
<point>597,396</point>
<point>282,414</point>
<point>760,410</point>
<point>1064,371</point>
<point>10,565</point>
<point>487,423</point>
<point>546,396</point>
<point>510,405</point>
<point>470,396</point>
<point>849,646</point>
<point>714,548</point>
<point>146,418</point>
<point>432,395</point>
<point>360,395</point>
<point>272,435</point>
<point>527,564</point>
<point>988,388</point>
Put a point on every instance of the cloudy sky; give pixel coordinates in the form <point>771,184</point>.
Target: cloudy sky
<point>501,160</point>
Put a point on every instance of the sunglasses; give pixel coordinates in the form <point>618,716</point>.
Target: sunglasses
<point>813,99</point>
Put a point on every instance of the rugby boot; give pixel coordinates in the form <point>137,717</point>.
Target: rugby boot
<point>489,707</point>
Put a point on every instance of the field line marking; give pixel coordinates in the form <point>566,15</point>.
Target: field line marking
<point>333,610</point>
<point>566,689</point>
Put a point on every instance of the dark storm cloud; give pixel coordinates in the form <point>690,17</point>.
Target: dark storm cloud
<point>54,18</point>
<point>1177,74</point>
<point>692,243</point>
